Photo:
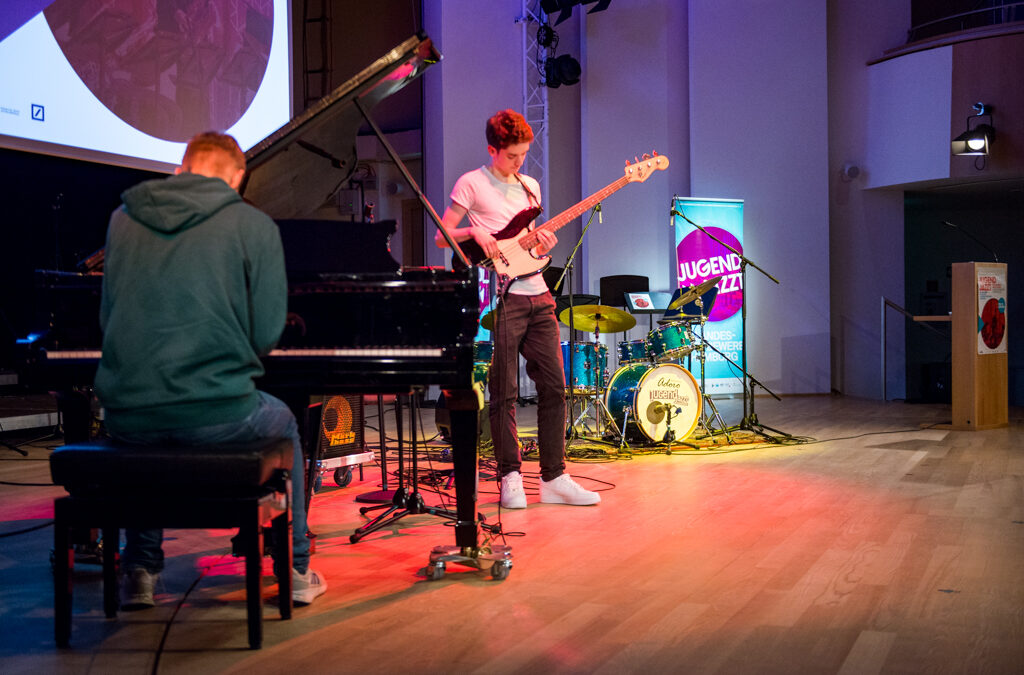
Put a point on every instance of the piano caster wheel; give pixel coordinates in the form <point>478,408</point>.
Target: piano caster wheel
<point>500,569</point>
<point>343,476</point>
<point>435,571</point>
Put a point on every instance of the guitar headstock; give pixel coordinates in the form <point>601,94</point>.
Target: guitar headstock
<point>642,167</point>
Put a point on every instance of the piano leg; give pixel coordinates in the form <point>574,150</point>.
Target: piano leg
<point>464,409</point>
<point>464,406</point>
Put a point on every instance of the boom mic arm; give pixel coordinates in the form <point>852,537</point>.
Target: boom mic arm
<point>985,246</point>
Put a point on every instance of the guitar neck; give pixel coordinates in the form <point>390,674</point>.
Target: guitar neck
<point>577,210</point>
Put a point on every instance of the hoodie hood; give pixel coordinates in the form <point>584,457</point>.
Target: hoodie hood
<point>177,203</point>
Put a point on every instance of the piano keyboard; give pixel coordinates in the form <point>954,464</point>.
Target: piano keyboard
<point>357,352</point>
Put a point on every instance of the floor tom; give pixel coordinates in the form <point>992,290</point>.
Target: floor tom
<point>589,363</point>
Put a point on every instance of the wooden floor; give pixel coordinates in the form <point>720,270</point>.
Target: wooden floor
<point>883,547</point>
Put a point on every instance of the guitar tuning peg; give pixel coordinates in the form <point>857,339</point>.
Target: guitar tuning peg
<point>646,156</point>
<point>654,152</point>
<point>627,163</point>
<point>636,159</point>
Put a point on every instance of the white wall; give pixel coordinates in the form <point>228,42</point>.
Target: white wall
<point>633,101</point>
<point>866,225</point>
<point>480,73</point>
<point>759,125</point>
<point>908,108</point>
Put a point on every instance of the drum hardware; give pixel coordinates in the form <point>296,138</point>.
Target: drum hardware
<point>749,421</point>
<point>693,294</point>
<point>568,316</point>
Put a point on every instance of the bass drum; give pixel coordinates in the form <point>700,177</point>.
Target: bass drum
<point>657,398</point>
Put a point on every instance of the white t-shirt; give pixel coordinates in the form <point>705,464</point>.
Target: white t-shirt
<point>492,204</point>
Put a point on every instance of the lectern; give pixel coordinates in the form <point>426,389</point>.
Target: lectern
<point>980,382</point>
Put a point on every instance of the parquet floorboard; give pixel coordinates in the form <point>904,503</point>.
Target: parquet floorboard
<point>883,547</point>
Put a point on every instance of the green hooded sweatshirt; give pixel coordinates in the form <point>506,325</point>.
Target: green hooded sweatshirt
<point>194,292</point>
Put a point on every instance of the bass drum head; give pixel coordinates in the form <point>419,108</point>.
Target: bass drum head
<point>650,393</point>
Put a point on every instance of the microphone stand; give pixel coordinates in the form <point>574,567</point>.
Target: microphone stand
<point>570,432</point>
<point>749,421</point>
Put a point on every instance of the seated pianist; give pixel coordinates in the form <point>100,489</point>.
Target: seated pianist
<point>194,293</point>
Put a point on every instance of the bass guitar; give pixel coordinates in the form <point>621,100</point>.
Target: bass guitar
<point>515,258</point>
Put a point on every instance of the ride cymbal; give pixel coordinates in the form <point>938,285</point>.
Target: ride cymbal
<point>599,318</point>
<point>694,293</point>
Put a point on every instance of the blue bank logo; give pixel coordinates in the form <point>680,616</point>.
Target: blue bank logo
<point>38,112</point>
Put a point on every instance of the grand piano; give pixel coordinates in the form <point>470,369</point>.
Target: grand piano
<point>358,322</point>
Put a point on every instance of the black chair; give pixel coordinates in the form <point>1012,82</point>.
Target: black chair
<point>614,288</point>
<point>112,486</point>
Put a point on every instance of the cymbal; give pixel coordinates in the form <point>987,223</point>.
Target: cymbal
<point>487,321</point>
<point>600,318</point>
<point>694,293</point>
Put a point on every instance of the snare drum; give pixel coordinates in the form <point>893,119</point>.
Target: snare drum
<point>656,398</point>
<point>634,351</point>
<point>670,342</point>
<point>589,363</point>
<point>482,353</point>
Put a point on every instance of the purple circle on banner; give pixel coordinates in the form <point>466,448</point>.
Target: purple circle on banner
<point>700,258</point>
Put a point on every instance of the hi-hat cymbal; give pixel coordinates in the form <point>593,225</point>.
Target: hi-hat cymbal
<point>599,318</point>
<point>487,321</point>
<point>694,293</point>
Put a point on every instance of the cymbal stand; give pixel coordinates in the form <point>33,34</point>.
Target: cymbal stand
<point>570,432</point>
<point>707,417</point>
<point>595,401</point>
<point>749,420</point>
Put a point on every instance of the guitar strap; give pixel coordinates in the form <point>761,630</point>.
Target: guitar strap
<point>530,197</point>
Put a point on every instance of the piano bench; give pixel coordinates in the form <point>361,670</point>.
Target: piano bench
<point>112,486</point>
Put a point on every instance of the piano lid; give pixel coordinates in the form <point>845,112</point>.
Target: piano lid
<point>300,166</point>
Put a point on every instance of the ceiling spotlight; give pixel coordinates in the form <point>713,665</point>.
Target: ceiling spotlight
<point>975,141</point>
<point>546,36</point>
<point>565,7</point>
<point>561,70</point>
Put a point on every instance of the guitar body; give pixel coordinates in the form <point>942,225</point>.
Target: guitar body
<point>513,260</point>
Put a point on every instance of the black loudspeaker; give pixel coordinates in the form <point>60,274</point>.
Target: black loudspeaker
<point>341,426</point>
<point>614,288</point>
<point>443,422</point>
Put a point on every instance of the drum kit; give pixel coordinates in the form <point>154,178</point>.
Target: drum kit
<point>652,397</point>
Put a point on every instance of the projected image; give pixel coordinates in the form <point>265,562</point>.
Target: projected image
<point>138,78</point>
<point>170,67</point>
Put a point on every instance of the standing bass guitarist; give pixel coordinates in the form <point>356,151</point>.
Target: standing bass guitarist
<point>525,321</point>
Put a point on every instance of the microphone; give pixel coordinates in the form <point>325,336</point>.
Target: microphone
<point>971,236</point>
<point>598,209</point>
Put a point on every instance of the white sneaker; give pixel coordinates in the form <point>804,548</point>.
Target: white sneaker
<point>512,494</point>
<point>307,587</point>
<point>137,589</point>
<point>564,490</point>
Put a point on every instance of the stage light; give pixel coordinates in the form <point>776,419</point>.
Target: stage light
<point>975,141</point>
<point>561,70</point>
<point>565,7</point>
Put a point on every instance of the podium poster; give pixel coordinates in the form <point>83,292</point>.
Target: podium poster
<point>699,258</point>
<point>991,285</point>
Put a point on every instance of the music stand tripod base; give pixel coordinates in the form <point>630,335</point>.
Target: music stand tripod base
<point>499,556</point>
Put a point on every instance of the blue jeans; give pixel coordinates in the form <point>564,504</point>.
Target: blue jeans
<point>271,419</point>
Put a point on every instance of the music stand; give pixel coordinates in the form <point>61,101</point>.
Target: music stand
<point>649,303</point>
